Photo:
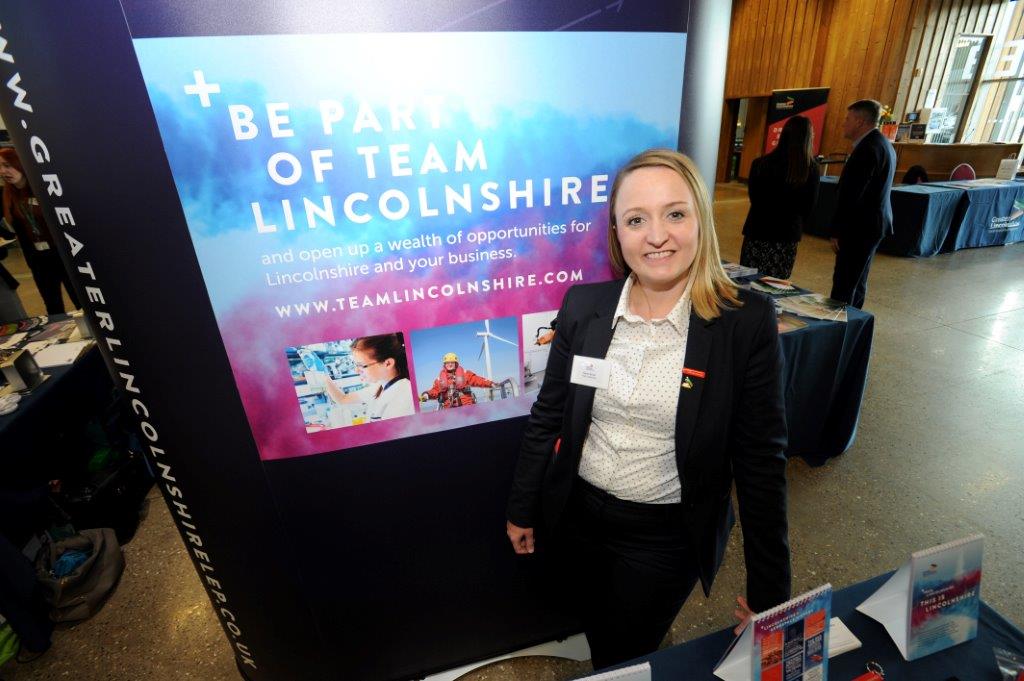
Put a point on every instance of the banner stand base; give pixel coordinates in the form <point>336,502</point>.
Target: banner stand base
<point>572,648</point>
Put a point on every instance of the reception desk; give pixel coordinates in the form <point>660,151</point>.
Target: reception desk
<point>940,159</point>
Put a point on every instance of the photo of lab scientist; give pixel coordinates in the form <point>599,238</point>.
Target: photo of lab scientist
<point>625,470</point>
<point>354,382</point>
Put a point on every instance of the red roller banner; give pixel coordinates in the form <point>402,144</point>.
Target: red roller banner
<point>784,104</point>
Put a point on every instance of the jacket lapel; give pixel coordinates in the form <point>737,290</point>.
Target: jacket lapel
<point>691,387</point>
<point>597,337</point>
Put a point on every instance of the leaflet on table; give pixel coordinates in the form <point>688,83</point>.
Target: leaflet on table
<point>814,305</point>
<point>776,287</point>
<point>787,643</point>
<point>788,322</point>
<point>931,603</point>
<point>61,354</point>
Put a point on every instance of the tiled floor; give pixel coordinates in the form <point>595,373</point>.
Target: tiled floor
<point>938,455</point>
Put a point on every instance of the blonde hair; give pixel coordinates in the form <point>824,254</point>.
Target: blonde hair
<point>711,290</point>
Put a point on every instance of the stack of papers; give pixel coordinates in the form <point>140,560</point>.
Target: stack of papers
<point>11,341</point>
<point>60,354</point>
<point>815,306</point>
<point>737,271</point>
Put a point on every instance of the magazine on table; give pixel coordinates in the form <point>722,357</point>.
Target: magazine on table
<point>815,306</point>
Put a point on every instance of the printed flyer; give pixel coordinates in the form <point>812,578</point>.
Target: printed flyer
<point>386,224</point>
<point>944,597</point>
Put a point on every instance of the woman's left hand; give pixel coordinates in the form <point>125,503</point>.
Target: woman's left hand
<point>743,613</point>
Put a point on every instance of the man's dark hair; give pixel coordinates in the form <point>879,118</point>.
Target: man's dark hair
<point>868,109</point>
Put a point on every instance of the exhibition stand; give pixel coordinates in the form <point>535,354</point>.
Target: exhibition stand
<point>292,179</point>
<point>970,661</point>
<point>939,217</point>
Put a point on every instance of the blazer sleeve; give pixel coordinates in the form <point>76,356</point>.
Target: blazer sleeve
<point>759,468</point>
<point>544,425</point>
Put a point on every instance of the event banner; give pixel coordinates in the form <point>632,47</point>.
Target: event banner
<point>784,104</point>
<point>386,223</point>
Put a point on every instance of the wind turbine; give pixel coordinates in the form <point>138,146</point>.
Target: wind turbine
<point>485,349</point>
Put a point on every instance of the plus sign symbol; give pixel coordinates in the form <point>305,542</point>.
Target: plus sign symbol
<point>202,88</point>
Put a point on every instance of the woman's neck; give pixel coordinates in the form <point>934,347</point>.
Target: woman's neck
<point>652,302</point>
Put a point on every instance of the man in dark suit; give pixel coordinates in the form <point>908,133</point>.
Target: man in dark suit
<point>863,213</point>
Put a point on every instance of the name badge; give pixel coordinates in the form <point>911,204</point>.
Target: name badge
<point>42,246</point>
<point>590,371</point>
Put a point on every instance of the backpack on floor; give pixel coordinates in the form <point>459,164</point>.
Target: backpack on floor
<point>79,593</point>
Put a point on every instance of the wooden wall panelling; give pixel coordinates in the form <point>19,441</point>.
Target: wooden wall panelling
<point>944,61</point>
<point>785,64</point>
<point>727,136</point>
<point>917,91</point>
<point>822,19</point>
<point>770,48</point>
<point>761,46</point>
<point>753,134</point>
<point>913,49</point>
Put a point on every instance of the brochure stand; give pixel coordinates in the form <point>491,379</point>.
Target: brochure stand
<point>931,603</point>
<point>789,641</point>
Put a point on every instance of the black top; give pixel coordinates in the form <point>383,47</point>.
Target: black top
<point>730,426</point>
<point>863,212</point>
<point>778,210</point>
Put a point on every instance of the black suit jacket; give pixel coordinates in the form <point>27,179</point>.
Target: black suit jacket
<point>730,425</point>
<point>778,210</point>
<point>863,212</point>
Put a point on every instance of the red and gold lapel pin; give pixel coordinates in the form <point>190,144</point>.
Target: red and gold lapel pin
<point>687,373</point>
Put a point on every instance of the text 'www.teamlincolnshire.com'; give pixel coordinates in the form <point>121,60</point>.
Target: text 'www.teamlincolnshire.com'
<point>425,293</point>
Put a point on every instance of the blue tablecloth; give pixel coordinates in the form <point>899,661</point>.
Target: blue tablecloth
<point>33,442</point>
<point>939,217</point>
<point>971,661</point>
<point>825,373</point>
<point>988,215</point>
<point>922,216</point>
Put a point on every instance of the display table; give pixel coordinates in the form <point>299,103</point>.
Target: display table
<point>824,377</point>
<point>32,438</point>
<point>989,214</point>
<point>968,661</point>
<point>939,217</point>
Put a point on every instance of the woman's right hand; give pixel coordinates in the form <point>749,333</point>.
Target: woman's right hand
<point>521,537</point>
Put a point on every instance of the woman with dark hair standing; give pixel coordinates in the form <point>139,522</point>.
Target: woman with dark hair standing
<point>22,212</point>
<point>783,189</point>
<point>382,362</point>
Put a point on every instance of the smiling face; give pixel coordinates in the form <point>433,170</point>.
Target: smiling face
<point>657,227</point>
<point>9,174</point>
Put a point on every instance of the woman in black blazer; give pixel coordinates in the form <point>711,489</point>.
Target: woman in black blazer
<point>629,549</point>
<point>783,189</point>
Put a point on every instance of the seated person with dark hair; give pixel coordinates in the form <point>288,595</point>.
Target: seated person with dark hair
<point>915,175</point>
